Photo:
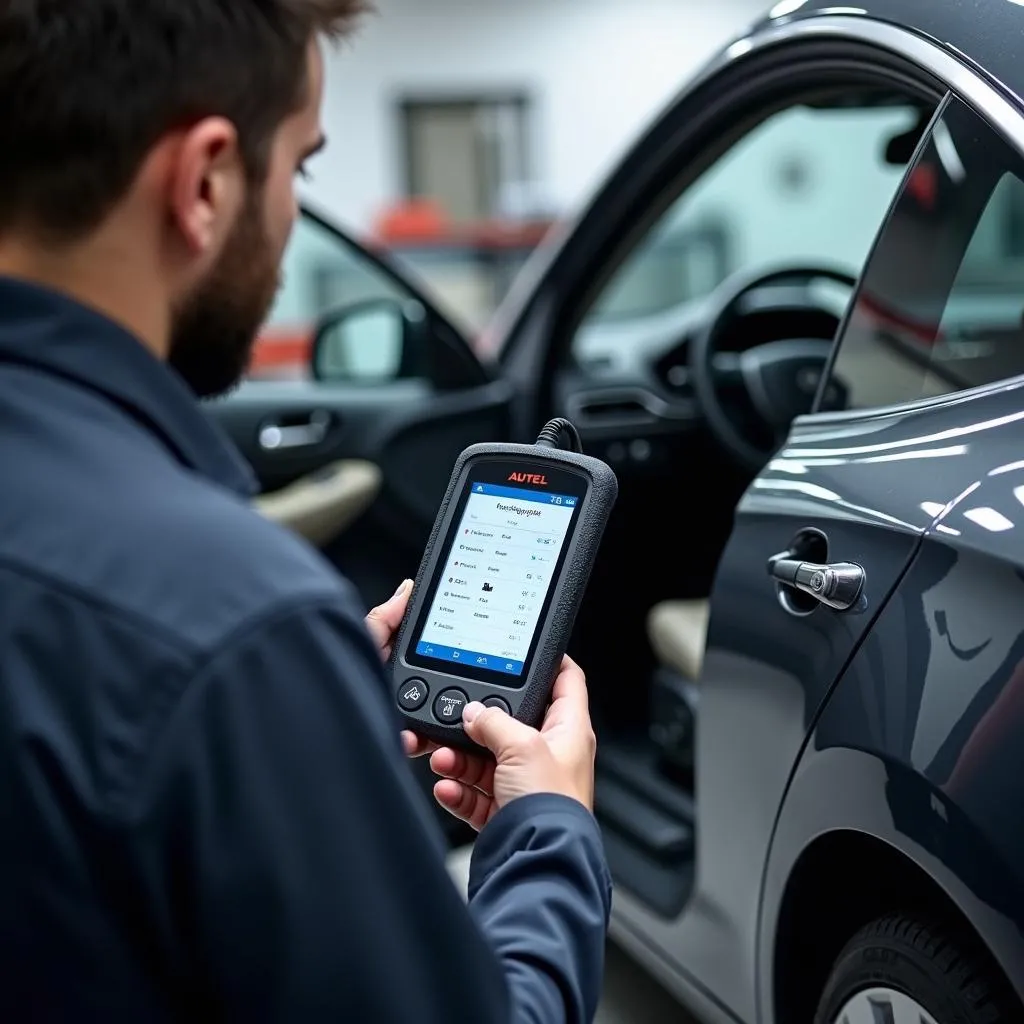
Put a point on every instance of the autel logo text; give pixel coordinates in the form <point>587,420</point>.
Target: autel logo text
<point>528,478</point>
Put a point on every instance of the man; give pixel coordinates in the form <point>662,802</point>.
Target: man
<point>204,810</point>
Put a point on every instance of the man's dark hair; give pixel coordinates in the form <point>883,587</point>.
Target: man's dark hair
<point>87,87</point>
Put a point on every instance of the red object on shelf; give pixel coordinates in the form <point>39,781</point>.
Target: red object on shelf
<point>417,220</point>
<point>422,224</point>
<point>281,352</point>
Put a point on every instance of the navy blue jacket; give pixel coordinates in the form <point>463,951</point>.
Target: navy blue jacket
<point>204,809</point>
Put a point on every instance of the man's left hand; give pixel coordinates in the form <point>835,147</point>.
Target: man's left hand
<point>384,620</point>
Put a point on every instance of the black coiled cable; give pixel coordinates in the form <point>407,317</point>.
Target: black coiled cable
<point>555,430</point>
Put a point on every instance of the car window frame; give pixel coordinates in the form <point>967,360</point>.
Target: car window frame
<point>460,356</point>
<point>381,260</point>
<point>534,328</point>
<point>757,113</point>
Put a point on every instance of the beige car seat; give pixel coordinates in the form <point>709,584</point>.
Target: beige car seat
<point>678,632</point>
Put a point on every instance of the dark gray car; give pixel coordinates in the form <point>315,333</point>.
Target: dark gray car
<point>792,321</point>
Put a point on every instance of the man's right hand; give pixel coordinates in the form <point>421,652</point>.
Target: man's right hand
<point>557,758</point>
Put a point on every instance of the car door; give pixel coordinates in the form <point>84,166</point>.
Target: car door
<point>755,161</point>
<point>361,396</point>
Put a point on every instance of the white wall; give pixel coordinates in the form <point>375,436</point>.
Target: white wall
<point>597,70</point>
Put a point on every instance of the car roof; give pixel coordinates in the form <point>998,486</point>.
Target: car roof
<point>990,33</point>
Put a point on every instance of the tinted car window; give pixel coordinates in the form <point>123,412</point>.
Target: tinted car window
<point>808,185</point>
<point>941,304</point>
<point>321,272</point>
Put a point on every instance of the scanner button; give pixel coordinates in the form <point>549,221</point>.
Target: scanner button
<point>412,694</point>
<point>497,702</point>
<point>448,706</point>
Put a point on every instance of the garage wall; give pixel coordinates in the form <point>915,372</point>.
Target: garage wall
<point>596,69</point>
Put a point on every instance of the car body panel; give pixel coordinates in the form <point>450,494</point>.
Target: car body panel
<point>850,794</point>
<point>917,746</point>
<point>767,672</point>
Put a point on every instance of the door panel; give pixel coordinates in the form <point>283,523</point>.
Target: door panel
<point>921,735</point>
<point>400,441</point>
<point>408,430</point>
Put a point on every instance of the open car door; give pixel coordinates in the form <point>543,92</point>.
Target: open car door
<point>355,450</point>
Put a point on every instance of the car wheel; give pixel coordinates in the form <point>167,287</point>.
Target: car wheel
<point>901,971</point>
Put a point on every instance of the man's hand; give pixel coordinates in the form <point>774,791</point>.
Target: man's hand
<point>384,620</point>
<point>559,758</point>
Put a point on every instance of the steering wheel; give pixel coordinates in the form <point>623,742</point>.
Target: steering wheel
<point>780,378</point>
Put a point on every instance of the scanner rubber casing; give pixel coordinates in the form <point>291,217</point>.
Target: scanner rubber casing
<point>528,701</point>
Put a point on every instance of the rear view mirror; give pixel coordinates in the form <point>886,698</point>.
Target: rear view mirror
<point>366,341</point>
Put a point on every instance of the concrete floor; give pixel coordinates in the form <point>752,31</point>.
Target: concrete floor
<point>631,995</point>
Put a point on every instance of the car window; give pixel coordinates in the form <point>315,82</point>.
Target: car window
<point>941,304</point>
<point>808,185</point>
<point>323,273</point>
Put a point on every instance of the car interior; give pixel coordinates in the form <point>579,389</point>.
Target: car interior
<point>679,372</point>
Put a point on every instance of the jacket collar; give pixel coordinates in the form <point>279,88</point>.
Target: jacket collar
<point>57,335</point>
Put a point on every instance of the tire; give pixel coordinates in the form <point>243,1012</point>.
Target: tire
<point>897,957</point>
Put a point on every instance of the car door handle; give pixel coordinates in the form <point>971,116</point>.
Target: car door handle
<point>277,436</point>
<point>837,585</point>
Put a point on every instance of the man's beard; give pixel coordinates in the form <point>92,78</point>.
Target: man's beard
<point>214,330</point>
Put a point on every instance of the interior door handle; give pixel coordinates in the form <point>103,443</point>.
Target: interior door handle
<point>837,585</point>
<point>307,434</point>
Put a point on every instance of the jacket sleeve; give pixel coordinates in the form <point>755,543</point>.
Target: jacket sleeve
<point>294,872</point>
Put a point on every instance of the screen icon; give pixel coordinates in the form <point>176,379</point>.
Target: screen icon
<point>455,655</point>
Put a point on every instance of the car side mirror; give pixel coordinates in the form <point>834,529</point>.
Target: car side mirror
<point>373,340</point>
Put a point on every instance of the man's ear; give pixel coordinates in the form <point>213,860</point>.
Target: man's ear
<point>207,184</point>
